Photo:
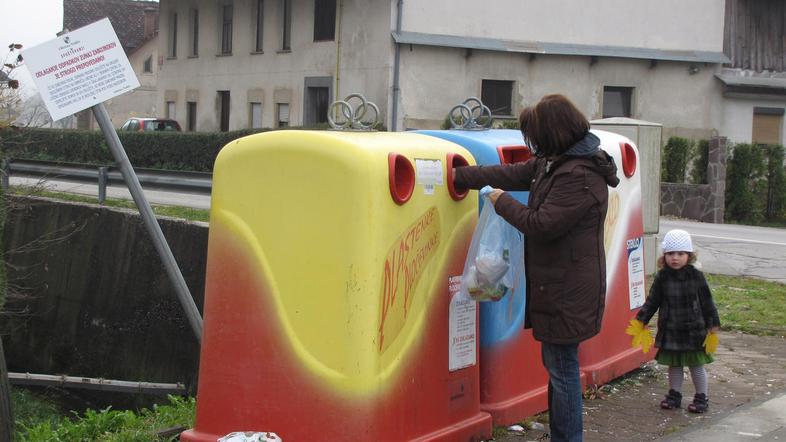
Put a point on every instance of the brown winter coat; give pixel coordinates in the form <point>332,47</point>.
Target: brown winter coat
<point>563,225</point>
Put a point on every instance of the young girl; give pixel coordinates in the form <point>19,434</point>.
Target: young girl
<point>687,315</point>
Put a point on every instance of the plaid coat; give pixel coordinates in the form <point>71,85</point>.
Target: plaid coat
<point>686,309</point>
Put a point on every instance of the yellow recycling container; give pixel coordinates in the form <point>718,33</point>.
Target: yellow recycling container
<point>331,308</point>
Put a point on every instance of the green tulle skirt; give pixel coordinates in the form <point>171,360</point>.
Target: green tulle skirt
<point>683,358</point>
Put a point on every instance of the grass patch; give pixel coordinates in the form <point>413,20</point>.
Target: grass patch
<point>188,213</point>
<point>749,305</point>
<point>38,420</point>
<point>32,409</point>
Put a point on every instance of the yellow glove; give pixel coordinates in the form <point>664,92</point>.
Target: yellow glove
<point>711,343</point>
<point>641,335</point>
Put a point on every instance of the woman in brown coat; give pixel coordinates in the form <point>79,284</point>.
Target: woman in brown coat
<point>563,223</point>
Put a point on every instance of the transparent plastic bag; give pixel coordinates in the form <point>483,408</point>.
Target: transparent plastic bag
<point>494,259</point>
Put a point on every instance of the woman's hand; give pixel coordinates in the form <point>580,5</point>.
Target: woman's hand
<point>494,195</point>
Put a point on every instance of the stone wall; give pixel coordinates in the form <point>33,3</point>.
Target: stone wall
<point>89,297</point>
<point>701,202</point>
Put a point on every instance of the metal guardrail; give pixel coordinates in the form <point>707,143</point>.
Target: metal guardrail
<point>201,182</point>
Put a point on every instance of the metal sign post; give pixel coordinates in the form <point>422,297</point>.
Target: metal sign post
<point>81,70</point>
<point>172,269</point>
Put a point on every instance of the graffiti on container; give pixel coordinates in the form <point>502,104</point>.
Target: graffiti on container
<point>404,265</point>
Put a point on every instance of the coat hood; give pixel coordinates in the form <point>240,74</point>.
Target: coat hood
<point>588,148</point>
<point>606,167</point>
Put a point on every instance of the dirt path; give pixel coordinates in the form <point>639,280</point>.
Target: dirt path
<point>746,368</point>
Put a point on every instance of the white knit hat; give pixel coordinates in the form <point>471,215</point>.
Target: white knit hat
<point>677,241</point>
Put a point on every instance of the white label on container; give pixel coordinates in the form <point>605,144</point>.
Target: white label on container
<point>635,248</point>
<point>429,174</point>
<point>463,327</point>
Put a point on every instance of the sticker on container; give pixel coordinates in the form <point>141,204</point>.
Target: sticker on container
<point>635,248</point>
<point>429,174</point>
<point>462,336</point>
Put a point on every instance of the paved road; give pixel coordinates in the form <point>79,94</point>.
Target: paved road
<point>159,197</point>
<point>731,249</point>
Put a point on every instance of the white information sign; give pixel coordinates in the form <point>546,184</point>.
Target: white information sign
<point>80,69</point>
<point>635,248</point>
<point>463,327</point>
<point>429,174</point>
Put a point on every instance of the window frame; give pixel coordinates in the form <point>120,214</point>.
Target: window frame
<point>625,92</point>
<point>226,28</point>
<point>191,115</point>
<point>251,121</point>
<point>194,33</point>
<point>286,25</point>
<point>260,27</point>
<point>321,9</point>
<point>762,123</point>
<point>172,50</point>
<point>490,103</point>
<point>171,109</point>
<point>279,121</point>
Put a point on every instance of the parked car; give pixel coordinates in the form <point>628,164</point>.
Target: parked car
<point>138,124</point>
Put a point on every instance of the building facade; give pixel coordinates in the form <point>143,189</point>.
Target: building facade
<point>233,64</point>
<point>136,24</point>
<point>754,82</point>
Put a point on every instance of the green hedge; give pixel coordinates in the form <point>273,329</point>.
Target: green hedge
<point>755,184</point>
<point>698,172</point>
<point>675,158</point>
<point>195,151</point>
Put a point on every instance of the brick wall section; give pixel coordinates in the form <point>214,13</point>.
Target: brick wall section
<point>701,202</point>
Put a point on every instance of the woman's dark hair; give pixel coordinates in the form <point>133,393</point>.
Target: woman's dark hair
<point>553,125</point>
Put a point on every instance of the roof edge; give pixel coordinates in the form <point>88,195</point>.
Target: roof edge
<point>548,48</point>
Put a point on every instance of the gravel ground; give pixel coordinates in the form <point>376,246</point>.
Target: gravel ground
<point>746,368</point>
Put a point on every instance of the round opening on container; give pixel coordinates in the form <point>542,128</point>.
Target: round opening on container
<point>401,178</point>
<point>628,159</point>
<point>513,154</point>
<point>455,160</point>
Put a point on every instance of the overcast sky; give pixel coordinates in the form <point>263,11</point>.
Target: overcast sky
<point>29,22</point>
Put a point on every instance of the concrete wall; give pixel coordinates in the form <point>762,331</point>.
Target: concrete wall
<point>666,93</point>
<point>95,300</point>
<point>669,24</point>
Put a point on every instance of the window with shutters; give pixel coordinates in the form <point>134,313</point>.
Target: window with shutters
<point>282,114</point>
<point>255,115</point>
<point>767,125</point>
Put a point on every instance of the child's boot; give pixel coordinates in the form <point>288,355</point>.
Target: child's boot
<point>700,403</point>
<point>673,400</point>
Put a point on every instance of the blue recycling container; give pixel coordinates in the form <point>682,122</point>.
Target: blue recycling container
<point>513,382</point>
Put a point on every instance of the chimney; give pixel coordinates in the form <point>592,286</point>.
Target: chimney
<point>150,22</point>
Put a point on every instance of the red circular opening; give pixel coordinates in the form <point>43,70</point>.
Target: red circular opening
<point>455,160</point>
<point>401,178</point>
<point>628,159</point>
